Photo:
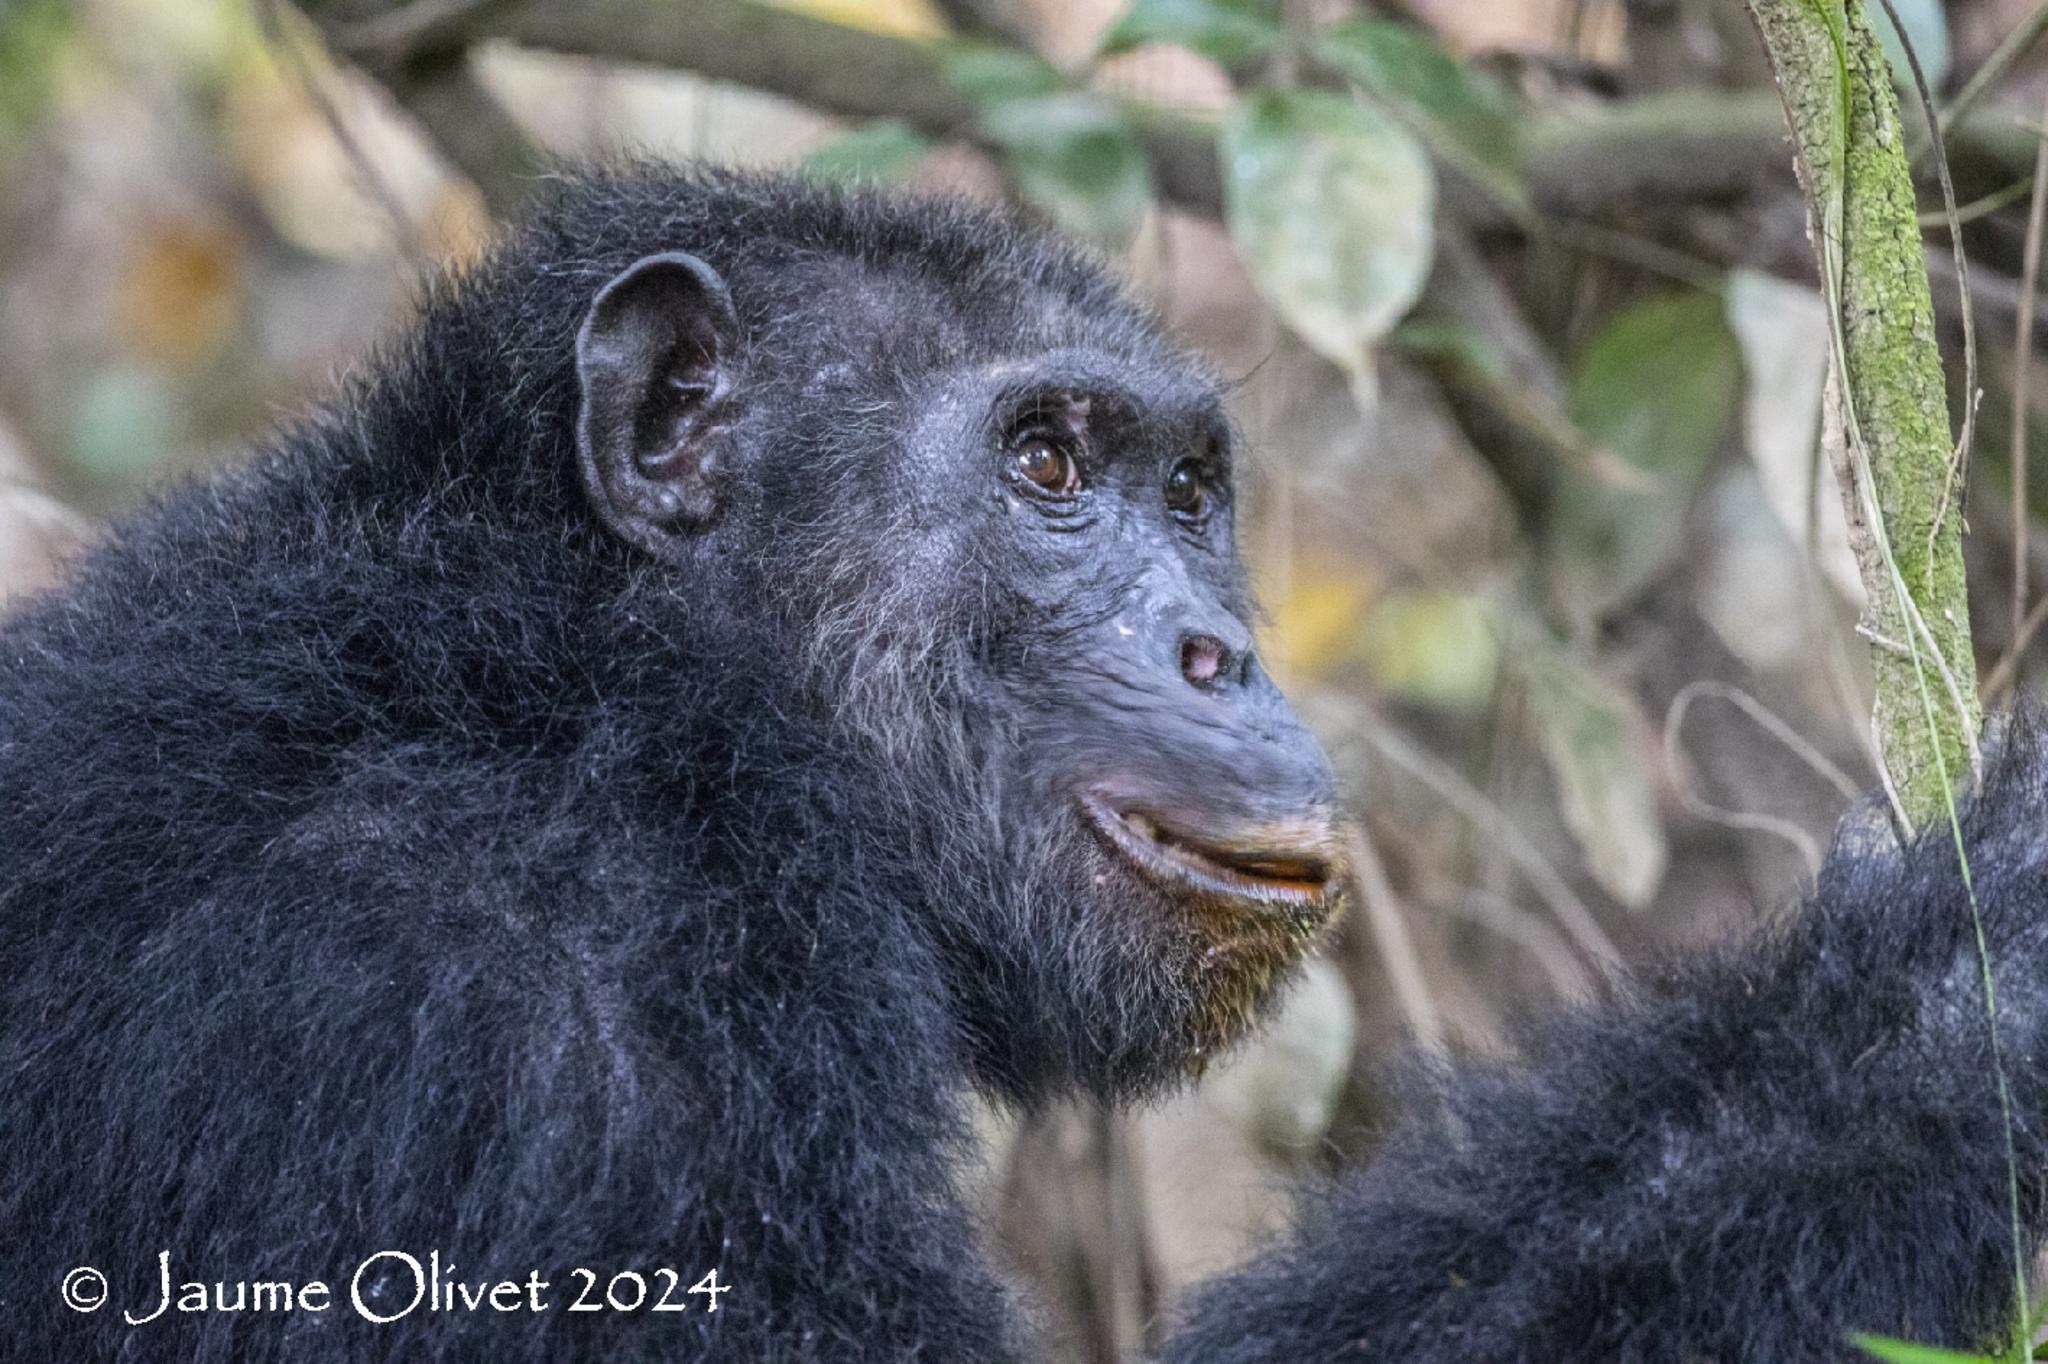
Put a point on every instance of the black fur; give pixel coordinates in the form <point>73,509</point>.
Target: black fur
<point>391,859</point>
<point>1749,1159</point>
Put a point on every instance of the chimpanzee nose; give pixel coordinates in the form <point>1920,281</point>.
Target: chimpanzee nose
<point>1208,662</point>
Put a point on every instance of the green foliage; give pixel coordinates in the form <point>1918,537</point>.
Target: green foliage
<point>1593,738</point>
<point>33,35</point>
<point>1075,157</point>
<point>1228,31</point>
<point>991,75</point>
<point>126,418</point>
<point>1462,114</point>
<point>1330,202</point>
<point>1905,1352</point>
<point>1435,647</point>
<point>1658,388</point>
<point>1071,153</point>
<point>1443,338</point>
<point>887,149</point>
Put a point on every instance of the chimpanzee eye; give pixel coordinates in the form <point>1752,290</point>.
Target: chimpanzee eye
<point>1048,465</point>
<point>1185,493</point>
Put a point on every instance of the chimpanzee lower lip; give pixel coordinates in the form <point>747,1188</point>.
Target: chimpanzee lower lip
<point>1289,877</point>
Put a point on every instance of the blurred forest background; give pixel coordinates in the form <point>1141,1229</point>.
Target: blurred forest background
<point>1528,347</point>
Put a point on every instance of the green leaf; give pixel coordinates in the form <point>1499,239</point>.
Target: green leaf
<point>1330,202</point>
<point>124,426</point>
<point>1659,388</point>
<point>1465,117</point>
<point>1439,338</point>
<point>887,149</point>
<point>1592,735</point>
<point>1076,157</point>
<point>1231,32</point>
<point>992,75</point>
<point>1904,1352</point>
<point>1071,153</point>
<point>34,38</point>
<point>1434,647</point>
<point>1927,26</point>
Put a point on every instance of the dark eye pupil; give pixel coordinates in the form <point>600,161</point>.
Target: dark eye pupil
<point>1184,489</point>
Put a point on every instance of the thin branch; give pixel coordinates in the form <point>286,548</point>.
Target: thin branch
<point>1998,63</point>
<point>1503,916</point>
<point>1385,916</point>
<point>1983,206</point>
<point>2006,672</point>
<point>1583,162</point>
<point>405,49</point>
<point>1570,911</point>
<point>1767,720</point>
<point>1772,724</point>
<point>2022,363</point>
<point>1580,163</point>
<point>471,127</point>
<point>832,68</point>
<point>993,21</point>
<point>1996,294</point>
<point>275,25</point>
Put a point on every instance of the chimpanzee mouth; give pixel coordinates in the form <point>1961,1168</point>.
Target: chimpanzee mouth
<point>1295,872</point>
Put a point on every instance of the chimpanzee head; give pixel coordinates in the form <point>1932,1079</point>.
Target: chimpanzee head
<point>990,508</point>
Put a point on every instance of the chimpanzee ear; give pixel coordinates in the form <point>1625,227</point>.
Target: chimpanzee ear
<point>655,360</point>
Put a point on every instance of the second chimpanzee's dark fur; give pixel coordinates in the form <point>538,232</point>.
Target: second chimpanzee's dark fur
<point>392,859</point>
<point>1747,1159</point>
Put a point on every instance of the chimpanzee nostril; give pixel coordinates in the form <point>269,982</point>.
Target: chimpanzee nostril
<point>1206,661</point>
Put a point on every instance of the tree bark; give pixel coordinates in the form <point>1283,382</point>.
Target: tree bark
<point>1889,435</point>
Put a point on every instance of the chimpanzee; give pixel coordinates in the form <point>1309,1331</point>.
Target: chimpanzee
<point>1750,1157</point>
<point>751,663</point>
<point>530,866</point>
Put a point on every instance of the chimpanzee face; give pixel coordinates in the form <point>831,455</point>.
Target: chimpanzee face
<point>1020,554</point>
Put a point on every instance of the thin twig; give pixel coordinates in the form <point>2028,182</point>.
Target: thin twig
<point>392,32</point>
<point>1503,916</point>
<point>1772,724</point>
<point>1396,948</point>
<point>1767,720</point>
<point>276,27</point>
<point>1570,911</point>
<point>37,504</point>
<point>1640,252</point>
<point>2007,670</point>
<point>1998,63</point>
<point>2022,363</point>
<point>1983,206</point>
<point>989,21</point>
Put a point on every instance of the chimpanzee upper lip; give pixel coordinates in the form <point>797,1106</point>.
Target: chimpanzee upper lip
<point>1294,871</point>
